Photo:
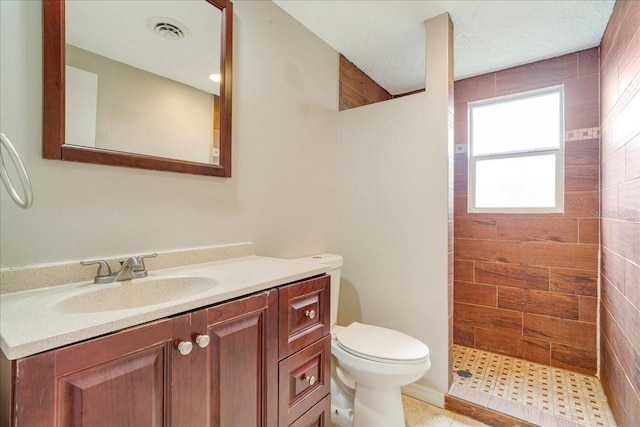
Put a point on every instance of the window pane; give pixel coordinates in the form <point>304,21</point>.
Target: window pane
<point>516,124</point>
<point>521,182</point>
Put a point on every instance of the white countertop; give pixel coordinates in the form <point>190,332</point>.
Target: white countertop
<point>31,321</point>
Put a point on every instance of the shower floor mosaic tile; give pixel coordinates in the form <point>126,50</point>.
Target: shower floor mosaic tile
<point>536,393</point>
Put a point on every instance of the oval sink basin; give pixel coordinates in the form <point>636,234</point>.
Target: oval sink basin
<point>135,293</point>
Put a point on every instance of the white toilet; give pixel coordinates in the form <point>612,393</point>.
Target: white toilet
<point>369,365</point>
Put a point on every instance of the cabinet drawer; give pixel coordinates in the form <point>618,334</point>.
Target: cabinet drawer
<point>304,379</point>
<point>318,416</point>
<point>304,314</point>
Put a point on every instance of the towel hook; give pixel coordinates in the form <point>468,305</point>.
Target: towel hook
<point>22,173</point>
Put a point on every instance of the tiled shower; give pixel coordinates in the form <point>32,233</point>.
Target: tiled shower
<point>531,288</point>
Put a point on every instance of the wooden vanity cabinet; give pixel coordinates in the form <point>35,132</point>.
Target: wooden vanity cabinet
<point>262,360</point>
<point>305,354</point>
<point>138,377</point>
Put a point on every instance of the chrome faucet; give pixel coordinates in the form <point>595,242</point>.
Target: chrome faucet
<point>132,268</point>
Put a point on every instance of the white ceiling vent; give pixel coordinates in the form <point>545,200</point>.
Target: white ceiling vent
<point>167,28</point>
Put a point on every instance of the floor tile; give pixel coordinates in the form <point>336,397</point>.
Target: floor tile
<point>530,391</point>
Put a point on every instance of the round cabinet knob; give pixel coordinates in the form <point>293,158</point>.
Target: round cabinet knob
<point>203,340</point>
<point>185,347</point>
<point>310,314</point>
<point>310,379</point>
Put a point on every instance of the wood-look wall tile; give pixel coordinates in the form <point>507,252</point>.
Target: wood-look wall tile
<point>487,317</point>
<point>374,92</point>
<point>615,21</point>
<point>460,183</point>
<point>622,237</point>
<point>476,229</point>
<point>608,94</point>
<point>582,153</point>
<point>460,206</point>
<point>545,229</point>
<point>581,204</point>
<point>475,88</point>
<point>588,309</point>
<point>460,133</point>
<point>628,357</point>
<point>460,110</point>
<point>462,334</point>
<point>632,283</point>
<point>537,75</point>
<point>629,64</point>
<point>497,341</point>
<point>625,314</point>
<point>475,293</point>
<point>563,331</point>
<point>488,250</point>
<point>589,61</point>
<point>561,255</point>
<point>512,275</point>
<point>574,282</point>
<point>609,143</point>
<point>582,115</point>
<point>621,396</point>
<point>463,270</point>
<point>612,267</point>
<point>629,200</point>
<point>512,298</point>
<point>625,125</point>
<point>589,230</point>
<point>350,98</point>
<point>609,199</point>
<point>460,169</point>
<point>539,302</point>
<point>632,159</point>
<point>538,351</point>
<point>616,49</point>
<point>582,89</point>
<point>582,178</point>
<point>574,358</point>
<point>351,75</point>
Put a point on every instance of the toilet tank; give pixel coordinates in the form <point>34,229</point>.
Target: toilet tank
<point>335,262</point>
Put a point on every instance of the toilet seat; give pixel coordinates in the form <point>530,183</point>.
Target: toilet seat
<point>381,344</point>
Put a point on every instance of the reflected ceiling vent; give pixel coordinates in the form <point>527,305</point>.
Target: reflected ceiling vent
<point>167,28</point>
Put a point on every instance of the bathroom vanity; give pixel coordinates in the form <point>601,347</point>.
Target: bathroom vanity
<point>260,357</point>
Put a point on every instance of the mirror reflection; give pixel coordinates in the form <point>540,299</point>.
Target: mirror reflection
<point>143,77</point>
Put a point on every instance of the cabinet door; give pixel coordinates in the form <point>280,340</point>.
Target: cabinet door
<point>117,380</point>
<point>242,362</point>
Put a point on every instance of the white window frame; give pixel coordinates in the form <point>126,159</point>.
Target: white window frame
<point>557,152</point>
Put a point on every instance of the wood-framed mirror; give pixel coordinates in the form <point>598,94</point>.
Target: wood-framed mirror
<point>182,104</point>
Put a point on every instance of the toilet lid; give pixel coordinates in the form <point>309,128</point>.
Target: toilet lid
<point>381,344</point>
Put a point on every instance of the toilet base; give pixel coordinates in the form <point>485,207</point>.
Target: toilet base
<point>378,407</point>
<point>341,417</point>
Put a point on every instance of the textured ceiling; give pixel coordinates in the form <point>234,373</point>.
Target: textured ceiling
<point>119,30</point>
<point>385,39</point>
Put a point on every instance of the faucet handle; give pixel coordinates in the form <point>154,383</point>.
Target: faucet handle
<point>141,258</point>
<point>103,270</point>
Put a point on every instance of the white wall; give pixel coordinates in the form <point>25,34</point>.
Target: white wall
<point>283,193</point>
<point>393,211</point>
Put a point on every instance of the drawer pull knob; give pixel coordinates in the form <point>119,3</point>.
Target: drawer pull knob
<point>310,379</point>
<point>310,314</point>
<point>185,347</point>
<point>203,340</point>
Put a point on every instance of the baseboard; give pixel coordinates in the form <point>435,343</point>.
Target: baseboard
<point>425,394</point>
